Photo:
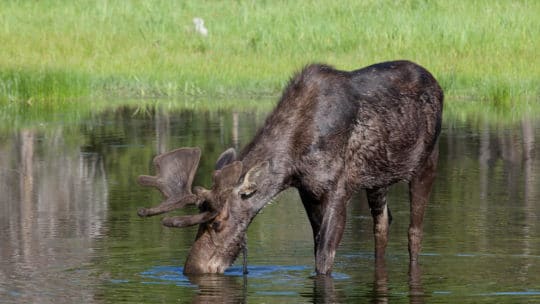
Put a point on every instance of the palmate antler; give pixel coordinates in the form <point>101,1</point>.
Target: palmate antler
<point>175,171</point>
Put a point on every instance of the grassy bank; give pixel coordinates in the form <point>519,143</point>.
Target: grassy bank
<point>68,49</point>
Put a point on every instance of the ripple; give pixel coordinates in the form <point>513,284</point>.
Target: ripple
<point>512,293</point>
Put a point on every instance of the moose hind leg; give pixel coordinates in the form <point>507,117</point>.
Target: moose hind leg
<point>419,191</point>
<point>381,218</point>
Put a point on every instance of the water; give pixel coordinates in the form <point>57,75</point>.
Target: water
<point>69,230</point>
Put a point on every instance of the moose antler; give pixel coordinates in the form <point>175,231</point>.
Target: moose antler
<point>223,180</point>
<point>175,171</point>
<point>174,175</point>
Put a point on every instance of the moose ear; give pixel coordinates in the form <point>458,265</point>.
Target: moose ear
<point>225,158</point>
<point>228,176</point>
<point>253,179</point>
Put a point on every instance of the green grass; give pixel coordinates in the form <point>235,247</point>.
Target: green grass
<point>65,113</point>
<point>21,84</point>
<point>505,114</point>
<point>481,50</point>
<point>69,112</point>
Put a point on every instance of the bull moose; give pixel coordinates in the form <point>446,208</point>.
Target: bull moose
<point>332,133</point>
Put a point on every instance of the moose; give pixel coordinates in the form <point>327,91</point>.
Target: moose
<point>332,133</point>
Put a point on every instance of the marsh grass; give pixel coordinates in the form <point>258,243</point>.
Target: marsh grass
<point>42,86</point>
<point>485,50</point>
<point>43,115</point>
<point>502,113</point>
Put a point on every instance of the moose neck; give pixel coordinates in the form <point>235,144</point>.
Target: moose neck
<point>271,143</point>
<point>275,180</point>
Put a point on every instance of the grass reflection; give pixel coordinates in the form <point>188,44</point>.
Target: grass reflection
<point>64,112</point>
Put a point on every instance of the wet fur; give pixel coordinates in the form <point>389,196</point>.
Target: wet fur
<point>334,132</point>
<point>375,125</point>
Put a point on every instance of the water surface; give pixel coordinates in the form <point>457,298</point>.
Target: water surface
<point>69,230</point>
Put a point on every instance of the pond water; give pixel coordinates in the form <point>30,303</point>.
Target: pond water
<point>69,230</point>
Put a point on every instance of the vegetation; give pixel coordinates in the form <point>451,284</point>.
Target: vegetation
<point>56,49</point>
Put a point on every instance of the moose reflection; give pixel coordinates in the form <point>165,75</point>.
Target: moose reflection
<point>332,133</point>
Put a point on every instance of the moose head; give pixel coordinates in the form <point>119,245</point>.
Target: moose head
<point>225,208</point>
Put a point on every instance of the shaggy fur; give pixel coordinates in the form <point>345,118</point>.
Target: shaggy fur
<point>332,133</point>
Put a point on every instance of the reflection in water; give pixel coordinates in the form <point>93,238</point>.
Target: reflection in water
<point>380,284</point>
<point>54,203</point>
<point>219,289</point>
<point>162,130</point>
<point>324,290</point>
<point>69,231</point>
<point>530,191</point>
<point>381,292</point>
<point>211,288</point>
<point>416,291</point>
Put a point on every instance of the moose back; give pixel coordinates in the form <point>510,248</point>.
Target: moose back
<point>332,133</point>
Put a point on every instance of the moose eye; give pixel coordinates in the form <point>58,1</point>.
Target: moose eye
<point>205,205</point>
<point>245,195</point>
<point>216,225</point>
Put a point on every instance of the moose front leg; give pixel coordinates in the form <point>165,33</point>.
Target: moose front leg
<point>381,218</point>
<point>328,219</point>
<point>313,208</point>
<point>327,222</point>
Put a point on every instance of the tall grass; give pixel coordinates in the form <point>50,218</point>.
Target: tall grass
<point>22,84</point>
<point>64,112</point>
<point>63,49</point>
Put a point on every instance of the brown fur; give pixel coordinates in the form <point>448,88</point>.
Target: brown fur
<point>332,133</point>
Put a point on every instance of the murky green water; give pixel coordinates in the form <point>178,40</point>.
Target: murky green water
<point>69,231</point>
